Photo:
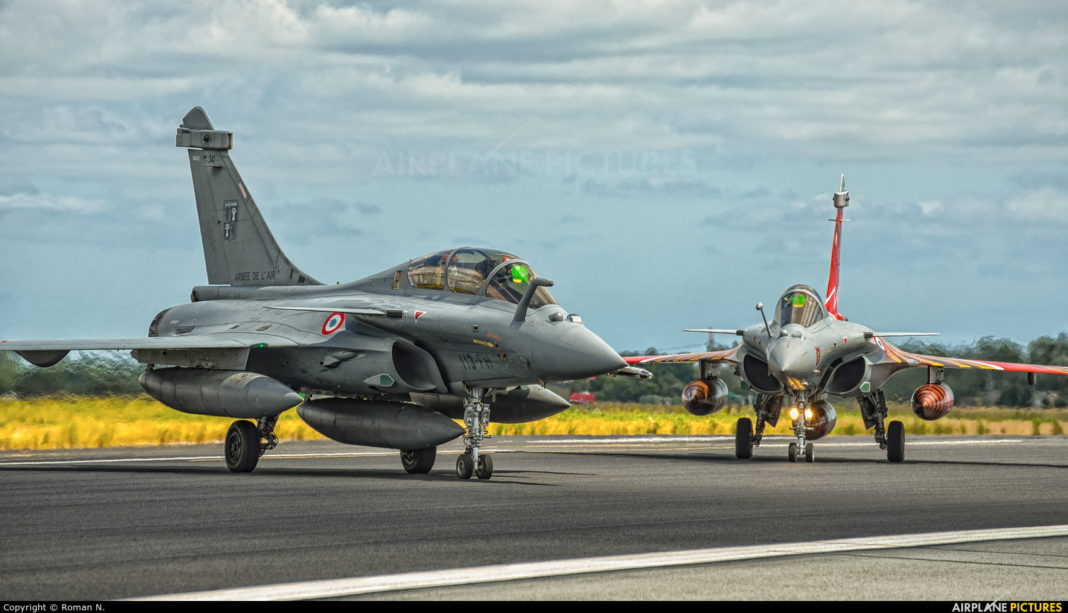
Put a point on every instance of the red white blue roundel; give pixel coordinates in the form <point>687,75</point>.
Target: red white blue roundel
<point>333,323</point>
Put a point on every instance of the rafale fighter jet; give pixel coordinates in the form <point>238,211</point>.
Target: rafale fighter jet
<point>384,361</point>
<point>809,350</point>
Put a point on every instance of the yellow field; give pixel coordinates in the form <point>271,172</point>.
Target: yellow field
<point>71,422</point>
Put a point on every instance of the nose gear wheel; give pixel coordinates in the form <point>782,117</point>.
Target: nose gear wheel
<point>476,419</point>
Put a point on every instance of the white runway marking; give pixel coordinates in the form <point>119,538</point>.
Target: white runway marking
<point>777,441</point>
<point>344,454</point>
<point>562,441</point>
<point>333,588</point>
<point>630,439</point>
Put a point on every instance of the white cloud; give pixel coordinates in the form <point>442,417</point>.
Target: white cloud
<point>932,111</point>
<point>1045,205</point>
<point>37,201</point>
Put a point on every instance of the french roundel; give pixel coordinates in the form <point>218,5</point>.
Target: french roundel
<point>333,323</point>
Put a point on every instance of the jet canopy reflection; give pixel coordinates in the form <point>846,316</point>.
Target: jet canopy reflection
<point>481,272</point>
<point>800,305</point>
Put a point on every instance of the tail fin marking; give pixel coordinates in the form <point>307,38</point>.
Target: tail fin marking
<point>841,201</point>
<point>239,248</point>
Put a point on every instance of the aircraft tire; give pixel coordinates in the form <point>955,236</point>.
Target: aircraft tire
<point>792,452</point>
<point>242,447</point>
<point>810,453</point>
<point>418,461</point>
<point>464,466</point>
<point>484,469</point>
<point>895,442</point>
<point>743,439</point>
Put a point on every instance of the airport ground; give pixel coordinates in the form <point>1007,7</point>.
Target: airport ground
<point>166,521</point>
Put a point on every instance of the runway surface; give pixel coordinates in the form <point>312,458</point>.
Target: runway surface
<point>122,523</point>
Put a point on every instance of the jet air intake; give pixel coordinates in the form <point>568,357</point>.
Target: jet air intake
<point>373,365</point>
<point>756,374</point>
<point>394,425</point>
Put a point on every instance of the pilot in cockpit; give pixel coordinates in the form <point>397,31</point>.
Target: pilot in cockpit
<point>801,305</point>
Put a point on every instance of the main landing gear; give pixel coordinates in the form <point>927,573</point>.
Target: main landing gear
<point>768,408</point>
<point>745,437</point>
<point>245,443</point>
<point>476,419</point>
<point>892,439</point>
<point>419,461</point>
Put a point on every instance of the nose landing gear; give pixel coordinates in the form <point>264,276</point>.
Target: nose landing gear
<point>476,418</point>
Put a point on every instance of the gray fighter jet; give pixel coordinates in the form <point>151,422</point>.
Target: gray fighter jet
<point>809,350</point>
<point>384,361</point>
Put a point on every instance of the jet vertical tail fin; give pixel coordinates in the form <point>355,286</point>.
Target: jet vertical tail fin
<point>841,201</point>
<point>239,248</point>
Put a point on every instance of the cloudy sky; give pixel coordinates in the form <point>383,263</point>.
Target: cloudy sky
<point>668,164</point>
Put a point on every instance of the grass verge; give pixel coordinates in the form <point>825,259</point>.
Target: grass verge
<point>72,422</point>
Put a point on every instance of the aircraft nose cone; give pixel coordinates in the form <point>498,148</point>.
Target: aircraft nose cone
<point>790,358</point>
<point>573,352</point>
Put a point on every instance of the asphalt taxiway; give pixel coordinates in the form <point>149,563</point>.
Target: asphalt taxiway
<point>173,522</point>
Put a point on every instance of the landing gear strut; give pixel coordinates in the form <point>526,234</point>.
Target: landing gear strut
<point>873,410</point>
<point>476,418</point>
<point>767,410</point>
<point>800,430</point>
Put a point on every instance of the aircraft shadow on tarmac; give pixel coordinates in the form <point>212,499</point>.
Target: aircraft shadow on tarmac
<point>323,473</point>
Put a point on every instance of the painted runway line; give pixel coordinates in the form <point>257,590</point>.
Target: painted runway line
<point>564,442</point>
<point>334,588</point>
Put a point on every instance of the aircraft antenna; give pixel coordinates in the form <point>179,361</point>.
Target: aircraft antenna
<point>760,307</point>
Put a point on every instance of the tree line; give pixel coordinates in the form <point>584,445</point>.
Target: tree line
<point>970,387</point>
<point>106,373</point>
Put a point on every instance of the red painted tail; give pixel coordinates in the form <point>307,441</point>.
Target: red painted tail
<point>841,201</point>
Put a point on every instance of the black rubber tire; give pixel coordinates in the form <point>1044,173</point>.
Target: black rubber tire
<point>464,466</point>
<point>895,442</point>
<point>743,439</point>
<point>792,452</point>
<point>484,468</point>
<point>418,461</point>
<point>242,447</point>
<point>810,453</point>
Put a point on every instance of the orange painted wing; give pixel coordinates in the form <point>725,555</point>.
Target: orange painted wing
<point>726,355</point>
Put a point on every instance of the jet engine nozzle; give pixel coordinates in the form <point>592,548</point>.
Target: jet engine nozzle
<point>705,396</point>
<point>932,401</point>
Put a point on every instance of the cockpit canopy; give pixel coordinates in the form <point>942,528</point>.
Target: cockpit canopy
<point>800,305</point>
<point>482,272</point>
